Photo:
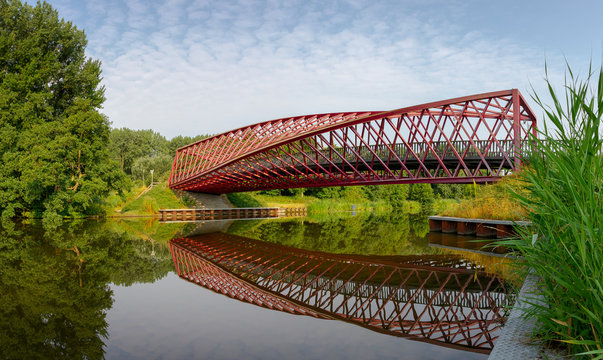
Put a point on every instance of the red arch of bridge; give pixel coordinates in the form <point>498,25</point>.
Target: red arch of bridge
<point>477,138</point>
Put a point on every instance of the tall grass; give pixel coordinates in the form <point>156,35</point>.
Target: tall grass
<point>491,201</point>
<point>564,200</point>
<point>335,205</point>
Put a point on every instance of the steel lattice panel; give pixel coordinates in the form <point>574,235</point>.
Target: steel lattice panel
<point>475,138</point>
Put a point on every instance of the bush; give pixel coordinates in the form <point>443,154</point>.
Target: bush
<point>398,195</point>
<point>494,201</point>
<point>423,193</point>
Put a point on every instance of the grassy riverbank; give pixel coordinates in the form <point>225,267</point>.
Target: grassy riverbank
<point>314,204</point>
<point>493,201</point>
<point>159,197</point>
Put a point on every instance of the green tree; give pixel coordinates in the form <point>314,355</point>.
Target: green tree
<point>398,195</point>
<point>127,146</point>
<point>123,145</point>
<point>179,141</point>
<point>161,165</point>
<point>327,192</point>
<point>422,193</point>
<point>452,191</point>
<point>52,136</point>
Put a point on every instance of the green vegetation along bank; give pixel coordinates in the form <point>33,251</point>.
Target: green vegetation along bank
<point>415,198</point>
<point>564,201</point>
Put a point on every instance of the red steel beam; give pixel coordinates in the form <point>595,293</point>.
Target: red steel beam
<point>469,139</point>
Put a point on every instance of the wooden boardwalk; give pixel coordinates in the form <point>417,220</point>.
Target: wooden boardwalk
<point>478,227</point>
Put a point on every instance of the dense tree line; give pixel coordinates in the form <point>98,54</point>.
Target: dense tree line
<point>138,151</point>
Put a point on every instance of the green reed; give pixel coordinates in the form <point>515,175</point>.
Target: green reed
<point>564,183</point>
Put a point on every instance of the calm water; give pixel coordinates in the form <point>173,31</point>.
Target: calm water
<point>259,289</point>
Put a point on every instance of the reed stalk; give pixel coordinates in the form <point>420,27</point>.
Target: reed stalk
<point>564,183</point>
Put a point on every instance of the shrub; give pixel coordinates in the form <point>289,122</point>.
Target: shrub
<point>423,193</point>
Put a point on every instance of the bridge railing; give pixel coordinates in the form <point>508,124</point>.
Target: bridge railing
<point>493,150</point>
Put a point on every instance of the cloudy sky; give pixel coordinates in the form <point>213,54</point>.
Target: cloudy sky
<point>195,67</point>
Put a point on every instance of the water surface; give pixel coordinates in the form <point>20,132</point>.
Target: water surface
<point>308,288</point>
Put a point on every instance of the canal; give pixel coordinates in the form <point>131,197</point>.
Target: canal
<point>362,286</point>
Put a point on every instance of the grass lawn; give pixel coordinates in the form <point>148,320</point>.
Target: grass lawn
<point>159,197</point>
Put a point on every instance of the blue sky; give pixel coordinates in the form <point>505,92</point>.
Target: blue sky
<point>194,67</point>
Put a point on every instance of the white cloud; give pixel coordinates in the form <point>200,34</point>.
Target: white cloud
<point>205,67</point>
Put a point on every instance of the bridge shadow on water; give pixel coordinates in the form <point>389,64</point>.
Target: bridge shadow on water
<point>440,299</point>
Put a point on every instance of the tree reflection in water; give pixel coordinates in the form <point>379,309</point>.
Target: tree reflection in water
<point>54,286</point>
<point>366,233</point>
<point>55,283</point>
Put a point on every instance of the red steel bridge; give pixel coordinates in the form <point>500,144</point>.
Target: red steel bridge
<point>443,300</point>
<point>476,138</point>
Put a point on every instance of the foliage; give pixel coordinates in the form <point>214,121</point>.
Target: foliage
<point>180,141</point>
<point>326,192</point>
<point>161,166</point>
<point>364,234</point>
<point>52,137</point>
<point>333,199</point>
<point>493,201</point>
<point>452,191</point>
<point>565,203</point>
<point>128,145</point>
<point>271,192</point>
<point>138,151</point>
<point>335,205</point>
<point>55,286</point>
<point>440,206</point>
<point>398,195</point>
<point>151,229</point>
<point>423,193</point>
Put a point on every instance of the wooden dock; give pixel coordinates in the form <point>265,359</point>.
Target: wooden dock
<point>478,227</point>
<point>228,213</point>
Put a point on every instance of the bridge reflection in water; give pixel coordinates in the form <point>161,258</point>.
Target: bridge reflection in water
<point>439,299</point>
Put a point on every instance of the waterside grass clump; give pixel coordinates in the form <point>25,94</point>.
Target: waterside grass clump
<point>564,201</point>
<point>491,201</point>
